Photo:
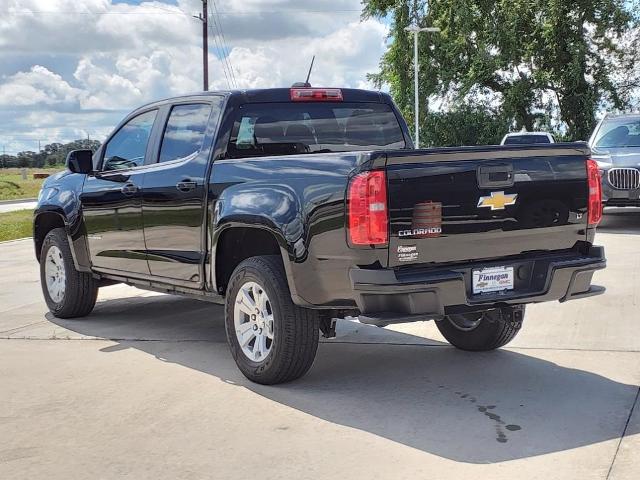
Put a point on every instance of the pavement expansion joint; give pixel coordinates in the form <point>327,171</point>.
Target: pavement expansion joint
<point>624,433</point>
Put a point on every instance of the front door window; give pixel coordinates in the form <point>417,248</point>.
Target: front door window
<point>127,148</point>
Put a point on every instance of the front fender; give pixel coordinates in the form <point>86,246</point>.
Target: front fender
<point>59,201</point>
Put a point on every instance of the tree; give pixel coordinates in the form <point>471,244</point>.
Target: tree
<point>400,80</point>
<point>535,58</point>
<point>25,159</point>
<point>466,124</point>
<point>52,154</point>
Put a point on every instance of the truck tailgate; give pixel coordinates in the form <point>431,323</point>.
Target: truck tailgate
<point>465,204</point>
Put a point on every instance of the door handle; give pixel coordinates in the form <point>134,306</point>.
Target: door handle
<point>129,189</point>
<point>186,185</point>
<point>495,176</point>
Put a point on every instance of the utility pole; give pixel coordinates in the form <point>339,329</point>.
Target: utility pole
<point>416,70</point>
<point>205,45</point>
<point>204,18</point>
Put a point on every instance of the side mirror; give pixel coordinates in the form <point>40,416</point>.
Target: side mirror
<point>80,161</point>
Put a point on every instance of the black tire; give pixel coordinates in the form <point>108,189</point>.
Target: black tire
<point>481,331</point>
<point>80,289</point>
<point>295,329</point>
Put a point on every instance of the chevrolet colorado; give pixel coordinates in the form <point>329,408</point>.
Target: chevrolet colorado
<point>294,207</point>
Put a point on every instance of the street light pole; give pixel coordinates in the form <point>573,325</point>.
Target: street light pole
<point>416,70</point>
<point>416,103</point>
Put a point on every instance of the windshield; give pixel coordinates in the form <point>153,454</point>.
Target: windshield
<point>619,133</point>
<point>526,139</point>
<point>295,128</point>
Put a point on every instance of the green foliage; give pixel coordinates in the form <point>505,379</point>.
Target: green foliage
<point>14,225</point>
<point>13,186</point>
<point>51,155</point>
<point>541,60</point>
<point>465,125</point>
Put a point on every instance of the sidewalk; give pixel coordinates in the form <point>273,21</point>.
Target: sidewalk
<point>20,204</point>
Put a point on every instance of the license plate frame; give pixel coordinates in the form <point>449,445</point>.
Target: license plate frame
<point>492,279</point>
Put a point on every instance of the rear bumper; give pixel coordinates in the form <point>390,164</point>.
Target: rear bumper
<point>394,295</point>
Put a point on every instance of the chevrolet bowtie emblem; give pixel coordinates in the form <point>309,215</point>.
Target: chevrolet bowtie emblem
<point>497,200</point>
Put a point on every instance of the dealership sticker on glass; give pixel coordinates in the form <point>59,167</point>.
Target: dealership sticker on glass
<point>494,279</point>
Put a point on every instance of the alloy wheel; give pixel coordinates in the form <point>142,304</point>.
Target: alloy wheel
<point>253,321</point>
<point>55,274</point>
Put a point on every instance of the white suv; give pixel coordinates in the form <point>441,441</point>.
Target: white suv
<point>527,138</point>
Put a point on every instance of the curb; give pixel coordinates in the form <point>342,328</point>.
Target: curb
<point>18,200</point>
<point>15,240</point>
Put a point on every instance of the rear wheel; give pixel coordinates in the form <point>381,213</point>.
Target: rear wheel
<point>67,292</point>
<point>271,339</point>
<point>481,331</point>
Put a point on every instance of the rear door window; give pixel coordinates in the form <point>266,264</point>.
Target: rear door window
<point>185,131</point>
<point>286,129</point>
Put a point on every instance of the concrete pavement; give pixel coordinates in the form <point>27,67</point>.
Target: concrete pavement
<point>13,205</point>
<point>146,387</point>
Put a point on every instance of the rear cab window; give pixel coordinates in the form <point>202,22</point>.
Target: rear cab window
<point>526,140</point>
<point>264,129</point>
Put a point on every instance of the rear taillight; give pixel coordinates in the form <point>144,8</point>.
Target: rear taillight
<point>595,193</point>
<point>316,94</point>
<point>367,207</point>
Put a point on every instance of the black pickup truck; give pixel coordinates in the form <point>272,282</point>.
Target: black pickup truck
<point>297,206</point>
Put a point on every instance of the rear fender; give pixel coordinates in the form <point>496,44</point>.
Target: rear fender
<point>271,207</point>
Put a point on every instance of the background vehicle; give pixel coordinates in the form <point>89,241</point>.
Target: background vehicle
<point>298,206</point>
<point>616,147</point>
<point>527,138</point>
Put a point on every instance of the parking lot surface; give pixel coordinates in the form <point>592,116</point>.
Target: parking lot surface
<point>145,387</point>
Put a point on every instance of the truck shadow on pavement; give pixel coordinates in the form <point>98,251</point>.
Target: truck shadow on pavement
<point>620,220</point>
<point>468,407</point>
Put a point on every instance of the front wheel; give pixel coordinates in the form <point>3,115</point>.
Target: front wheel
<point>481,331</point>
<point>67,292</point>
<point>271,339</point>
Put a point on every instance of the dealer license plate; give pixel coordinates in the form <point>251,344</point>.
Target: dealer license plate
<point>494,279</point>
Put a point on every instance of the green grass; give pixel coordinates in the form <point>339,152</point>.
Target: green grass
<point>13,187</point>
<point>18,224</point>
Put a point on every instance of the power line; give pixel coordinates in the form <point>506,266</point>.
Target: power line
<point>219,54</point>
<point>291,10</point>
<point>224,43</point>
<point>37,137</point>
<point>41,12</point>
<point>182,13</point>
<point>173,12</point>
<point>223,52</point>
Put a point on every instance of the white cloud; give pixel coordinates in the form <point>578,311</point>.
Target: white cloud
<point>114,57</point>
<point>37,86</point>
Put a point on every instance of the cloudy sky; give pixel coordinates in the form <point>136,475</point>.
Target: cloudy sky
<point>72,68</point>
